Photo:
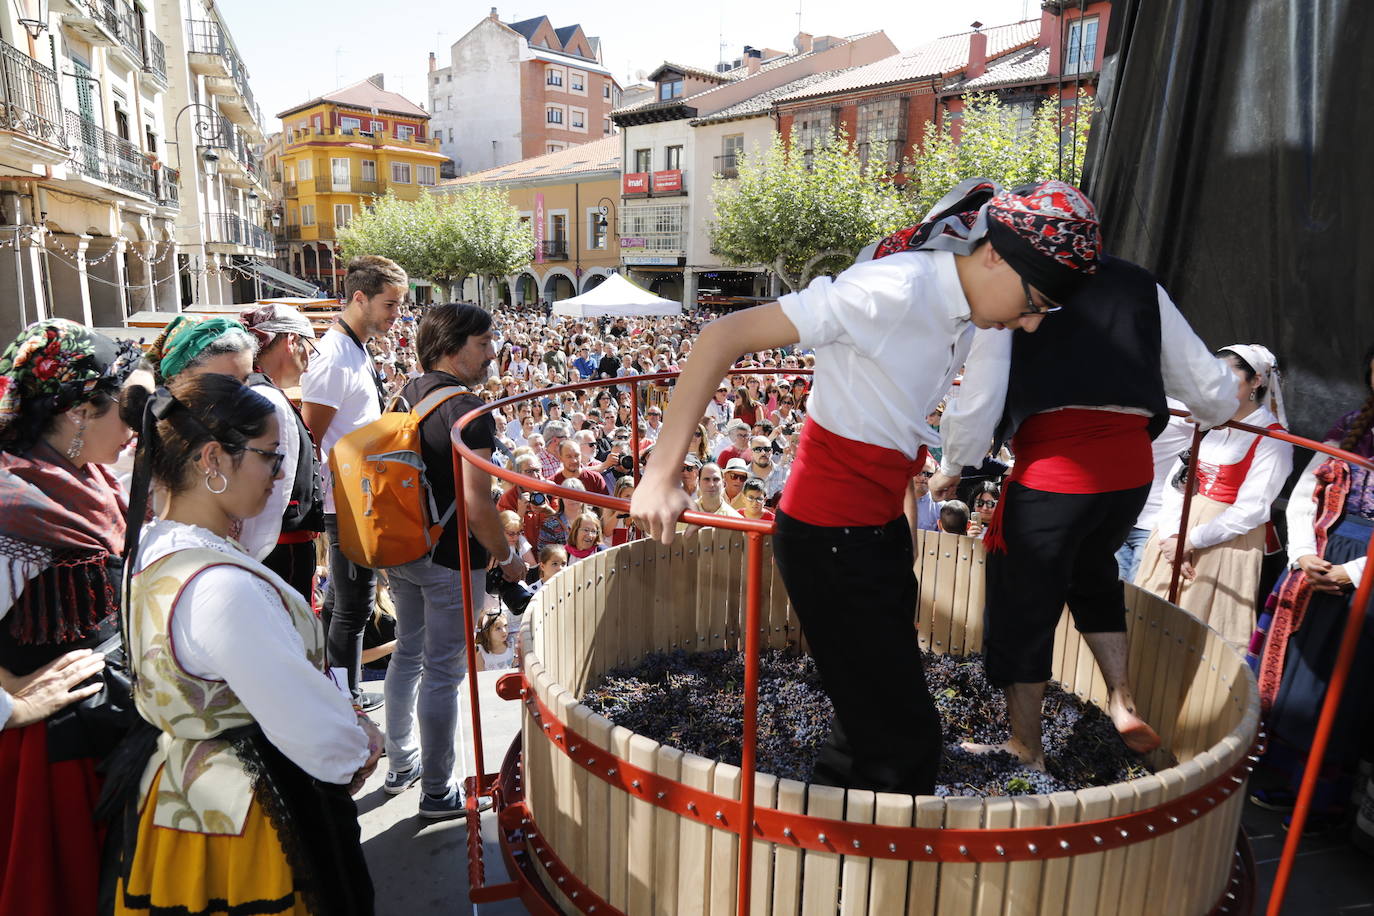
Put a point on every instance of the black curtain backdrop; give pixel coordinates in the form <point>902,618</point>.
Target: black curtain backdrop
<point>1231,156</point>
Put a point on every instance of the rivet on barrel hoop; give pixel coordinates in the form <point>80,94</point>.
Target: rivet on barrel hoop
<point>930,850</point>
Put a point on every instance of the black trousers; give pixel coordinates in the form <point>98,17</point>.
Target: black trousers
<point>1060,550</point>
<point>353,589</point>
<point>296,564</point>
<point>854,592</point>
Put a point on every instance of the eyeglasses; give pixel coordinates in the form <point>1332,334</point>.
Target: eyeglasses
<point>276,458</point>
<point>1031,307</point>
<point>736,475</point>
<point>696,435</point>
<point>985,504</point>
<point>926,474</point>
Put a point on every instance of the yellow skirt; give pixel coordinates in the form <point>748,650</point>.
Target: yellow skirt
<point>180,871</point>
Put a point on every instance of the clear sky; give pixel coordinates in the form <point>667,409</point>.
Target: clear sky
<point>298,49</point>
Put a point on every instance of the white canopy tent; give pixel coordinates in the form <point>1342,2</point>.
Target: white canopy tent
<point>616,296</point>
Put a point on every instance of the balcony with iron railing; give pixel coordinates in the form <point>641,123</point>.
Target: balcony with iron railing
<point>128,32</point>
<point>555,249</point>
<point>30,107</point>
<point>328,184</point>
<point>291,231</point>
<point>109,159</point>
<point>354,135</point>
<point>727,166</point>
<point>97,21</point>
<point>154,57</point>
<point>211,55</point>
<point>166,185</point>
<point>232,229</point>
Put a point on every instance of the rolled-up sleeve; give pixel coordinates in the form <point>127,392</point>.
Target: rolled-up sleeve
<point>1203,382</point>
<point>231,626</point>
<point>971,418</point>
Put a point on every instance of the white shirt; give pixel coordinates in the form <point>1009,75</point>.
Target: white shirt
<point>1302,519</point>
<point>722,411</point>
<point>1203,382</point>
<point>1172,442</point>
<point>260,533</point>
<point>889,336</point>
<point>340,376</point>
<point>1273,460</point>
<point>231,625</point>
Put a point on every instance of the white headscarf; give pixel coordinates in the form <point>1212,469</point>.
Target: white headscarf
<point>1266,366</point>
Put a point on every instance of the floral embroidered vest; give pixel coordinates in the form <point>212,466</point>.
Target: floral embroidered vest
<point>204,788</point>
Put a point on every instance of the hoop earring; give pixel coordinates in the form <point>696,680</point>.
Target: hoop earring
<point>216,473</point>
<point>78,442</point>
<point>1253,397</point>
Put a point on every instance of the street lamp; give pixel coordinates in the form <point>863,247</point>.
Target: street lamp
<point>605,205</point>
<point>211,160</point>
<point>276,219</point>
<point>39,22</point>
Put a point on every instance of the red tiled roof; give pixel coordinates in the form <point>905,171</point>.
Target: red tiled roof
<point>365,95</point>
<point>596,156</point>
<point>941,57</point>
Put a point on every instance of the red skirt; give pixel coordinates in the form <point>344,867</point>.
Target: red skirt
<point>49,844</point>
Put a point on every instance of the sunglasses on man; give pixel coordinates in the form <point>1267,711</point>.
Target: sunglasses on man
<point>1033,309</point>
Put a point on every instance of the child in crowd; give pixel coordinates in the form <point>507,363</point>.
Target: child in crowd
<point>954,517</point>
<point>510,522</point>
<point>495,648</point>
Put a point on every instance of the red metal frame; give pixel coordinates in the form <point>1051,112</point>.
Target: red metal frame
<point>875,841</point>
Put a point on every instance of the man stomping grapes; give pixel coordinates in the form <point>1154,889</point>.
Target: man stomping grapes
<point>1080,401</point>
<point>889,334</point>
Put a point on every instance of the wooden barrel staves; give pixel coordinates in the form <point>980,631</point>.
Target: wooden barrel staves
<point>620,823</point>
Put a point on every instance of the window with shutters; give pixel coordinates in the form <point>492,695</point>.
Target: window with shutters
<point>880,134</point>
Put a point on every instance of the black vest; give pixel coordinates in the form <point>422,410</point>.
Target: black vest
<point>1102,348</point>
<point>305,509</point>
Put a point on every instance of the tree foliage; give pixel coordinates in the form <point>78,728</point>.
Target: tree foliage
<point>992,145</point>
<point>444,237</point>
<point>796,219</point>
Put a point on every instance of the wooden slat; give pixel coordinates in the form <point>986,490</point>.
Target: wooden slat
<point>641,859</point>
<point>571,788</point>
<point>977,600</point>
<point>681,581</point>
<point>992,876</point>
<point>733,542</point>
<point>761,861</point>
<point>946,581</point>
<point>1054,883</point>
<point>854,875</point>
<point>1183,872</point>
<point>725,849</point>
<point>1023,878</point>
<point>958,602</point>
<point>694,844</point>
<point>667,828</point>
<point>927,572</point>
<point>1137,876</point>
<point>821,870</point>
<point>887,880</point>
<point>721,608</point>
<point>622,830</point>
<point>599,835</point>
<point>705,560</point>
<point>787,860</point>
<point>1114,861</point>
<point>959,880</point>
<point>924,883</point>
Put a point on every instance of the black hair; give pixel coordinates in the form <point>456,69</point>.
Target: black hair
<point>37,418</point>
<point>1247,370</point>
<point>445,329</point>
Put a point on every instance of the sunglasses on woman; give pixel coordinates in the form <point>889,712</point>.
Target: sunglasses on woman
<point>274,458</point>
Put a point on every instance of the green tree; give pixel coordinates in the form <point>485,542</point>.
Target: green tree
<point>443,238</point>
<point>797,218</point>
<point>992,145</point>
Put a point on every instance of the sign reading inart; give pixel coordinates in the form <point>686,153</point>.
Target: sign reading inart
<point>649,260</point>
<point>635,183</point>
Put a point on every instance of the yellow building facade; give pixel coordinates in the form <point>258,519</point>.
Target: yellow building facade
<point>340,152</point>
<point>569,198</point>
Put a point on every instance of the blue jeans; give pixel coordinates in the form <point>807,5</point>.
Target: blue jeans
<point>354,591</point>
<point>1128,557</point>
<point>429,662</point>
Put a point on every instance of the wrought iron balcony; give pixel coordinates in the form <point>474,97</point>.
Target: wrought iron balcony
<point>30,104</point>
<point>166,183</point>
<point>556,250</point>
<point>292,231</point>
<point>154,55</point>
<point>727,166</point>
<point>128,31</point>
<point>109,158</point>
<point>232,229</point>
<point>325,184</point>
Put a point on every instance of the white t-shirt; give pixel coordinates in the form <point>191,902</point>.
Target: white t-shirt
<point>340,376</point>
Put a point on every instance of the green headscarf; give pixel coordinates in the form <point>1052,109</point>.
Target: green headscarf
<point>184,339</point>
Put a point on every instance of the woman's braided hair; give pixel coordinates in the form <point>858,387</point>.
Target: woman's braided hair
<point>1365,418</point>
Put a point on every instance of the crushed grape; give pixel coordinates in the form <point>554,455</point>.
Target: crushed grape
<point>695,702</point>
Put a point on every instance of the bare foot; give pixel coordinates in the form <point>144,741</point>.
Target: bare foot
<point>1013,747</point>
<point>1135,732</point>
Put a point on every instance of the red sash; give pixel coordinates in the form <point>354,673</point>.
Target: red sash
<point>836,481</point>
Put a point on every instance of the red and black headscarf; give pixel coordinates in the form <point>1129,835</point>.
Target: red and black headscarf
<point>1048,231</point>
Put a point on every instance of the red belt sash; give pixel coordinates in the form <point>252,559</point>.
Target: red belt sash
<point>837,481</point>
<point>1078,450</point>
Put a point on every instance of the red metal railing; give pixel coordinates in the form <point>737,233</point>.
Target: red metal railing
<point>745,826</point>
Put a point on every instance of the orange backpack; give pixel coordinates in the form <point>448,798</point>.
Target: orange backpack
<point>386,512</point>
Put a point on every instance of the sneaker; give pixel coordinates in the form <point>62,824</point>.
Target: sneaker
<point>396,783</point>
<point>1273,799</point>
<point>370,701</point>
<point>451,805</point>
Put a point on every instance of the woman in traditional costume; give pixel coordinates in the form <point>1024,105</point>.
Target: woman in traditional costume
<point>1330,520</point>
<point>61,529</point>
<point>1239,474</point>
<point>242,805</point>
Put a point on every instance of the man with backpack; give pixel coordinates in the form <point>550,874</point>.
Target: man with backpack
<point>341,392</point>
<point>456,343</point>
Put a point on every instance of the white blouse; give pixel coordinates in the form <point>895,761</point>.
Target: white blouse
<point>1273,460</point>
<point>260,533</point>
<point>1302,519</point>
<point>230,625</point>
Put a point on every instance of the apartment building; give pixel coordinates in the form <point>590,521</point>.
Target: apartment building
<point>339,152</point>
<point>514,91</point>
<point>676,146</point>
